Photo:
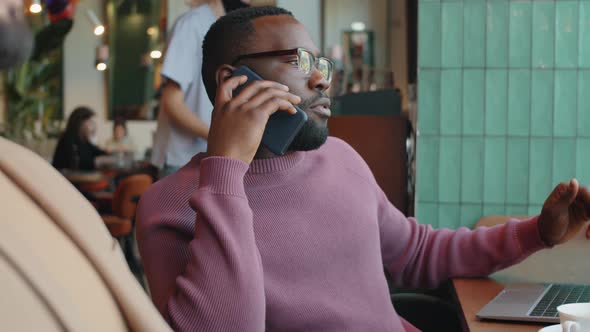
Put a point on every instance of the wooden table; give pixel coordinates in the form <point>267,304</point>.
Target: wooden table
<point>567,263</point>
<point>84,177</point>
<point>473,294</point>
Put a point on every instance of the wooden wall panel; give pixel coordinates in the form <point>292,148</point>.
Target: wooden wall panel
<point>381,141</point>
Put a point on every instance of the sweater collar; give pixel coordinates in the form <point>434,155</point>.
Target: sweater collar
<point>269,165</point>
<point>277,164</point>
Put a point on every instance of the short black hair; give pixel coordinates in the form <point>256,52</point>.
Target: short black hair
<point>226,39</point>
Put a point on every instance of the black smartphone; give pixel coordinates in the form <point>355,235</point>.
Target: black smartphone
<point>282,127</point>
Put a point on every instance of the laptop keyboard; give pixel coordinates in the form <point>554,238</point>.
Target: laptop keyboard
<point>557,295</point>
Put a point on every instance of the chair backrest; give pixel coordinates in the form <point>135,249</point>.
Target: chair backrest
<point>124,203</point>
<point>60,270</point>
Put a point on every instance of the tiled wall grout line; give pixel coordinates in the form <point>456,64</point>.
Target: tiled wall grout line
<point>460,164</point>
<point>485,110</point>
<point>495,67</point>
<point>500,136</point>
<point>577,90</point>
<point>528,192</point>
<point>438,158</point>
<point>555,29</point>
<point>508,70</point>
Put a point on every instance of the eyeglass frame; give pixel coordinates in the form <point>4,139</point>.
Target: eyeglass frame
<point>293,51</point>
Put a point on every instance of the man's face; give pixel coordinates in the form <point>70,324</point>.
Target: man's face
<point>284,33</point>
<point>16,40</point>
<point>88,130</point>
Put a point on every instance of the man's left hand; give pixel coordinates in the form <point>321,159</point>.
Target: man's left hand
<point>565,212</point>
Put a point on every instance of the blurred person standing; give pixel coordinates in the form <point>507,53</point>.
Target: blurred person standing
<point>185,113</point>
<point>16,39</point>
<point>75,149</point>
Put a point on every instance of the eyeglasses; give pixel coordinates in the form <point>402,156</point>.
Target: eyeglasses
<point>306,61</point>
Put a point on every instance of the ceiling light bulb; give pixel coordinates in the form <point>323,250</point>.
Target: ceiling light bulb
<point>36,7</point>
<point>357,26</point>
<point>101,66</point>
<point>99,30</point>
<point>98,27</point>
<point>155,54</point>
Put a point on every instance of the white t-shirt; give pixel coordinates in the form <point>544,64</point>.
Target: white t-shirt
<point>182,64</point>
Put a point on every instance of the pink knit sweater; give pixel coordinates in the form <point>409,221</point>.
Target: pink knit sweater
<point>298,243</point>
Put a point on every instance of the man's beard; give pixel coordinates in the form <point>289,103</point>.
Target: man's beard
<point>312,135</point>
<point>231,5</point>
<point>16,43</point>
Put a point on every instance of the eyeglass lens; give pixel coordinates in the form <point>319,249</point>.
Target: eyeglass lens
<point>306,64</point>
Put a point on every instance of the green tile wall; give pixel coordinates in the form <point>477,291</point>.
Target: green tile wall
<point>503,105</point>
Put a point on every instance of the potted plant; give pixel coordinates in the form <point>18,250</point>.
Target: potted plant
<point>33,90</point>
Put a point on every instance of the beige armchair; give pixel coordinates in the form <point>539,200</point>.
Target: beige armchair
<point>60,269</point>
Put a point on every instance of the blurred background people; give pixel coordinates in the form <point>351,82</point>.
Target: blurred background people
<point>75,149</point>
<point>120,142</point>
<point>185,113</point>
<point>16,39</point>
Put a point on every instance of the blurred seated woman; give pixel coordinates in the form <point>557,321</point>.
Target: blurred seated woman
<point>74,148</point>
<point>120,142</point>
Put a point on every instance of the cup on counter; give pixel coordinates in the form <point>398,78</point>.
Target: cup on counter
<point>574,317</point>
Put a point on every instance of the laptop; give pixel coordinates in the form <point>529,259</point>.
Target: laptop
<point>533,302</point>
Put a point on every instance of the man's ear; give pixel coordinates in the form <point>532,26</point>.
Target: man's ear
<point>223,73</point>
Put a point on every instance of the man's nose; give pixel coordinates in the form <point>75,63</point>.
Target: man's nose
<point>317,81</point>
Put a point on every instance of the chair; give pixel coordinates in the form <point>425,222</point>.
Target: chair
<point>60,269</point>
<point>124,203</point>
<point>428,313</point>
<point>94,186</point>
<point>121,222</point>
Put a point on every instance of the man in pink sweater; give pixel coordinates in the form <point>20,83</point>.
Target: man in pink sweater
<point>243,240</point>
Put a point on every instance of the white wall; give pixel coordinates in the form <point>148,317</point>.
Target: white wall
<point>175,9</point>
<point>308,12</point>
<point>84,85</point>
<point>339,14</point>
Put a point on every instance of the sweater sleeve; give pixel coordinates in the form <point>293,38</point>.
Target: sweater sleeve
<point>96,151</point>
<point>221,286</point>
<point>418,256</point>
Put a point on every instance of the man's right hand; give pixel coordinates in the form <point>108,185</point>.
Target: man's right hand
<point>237,123</point>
